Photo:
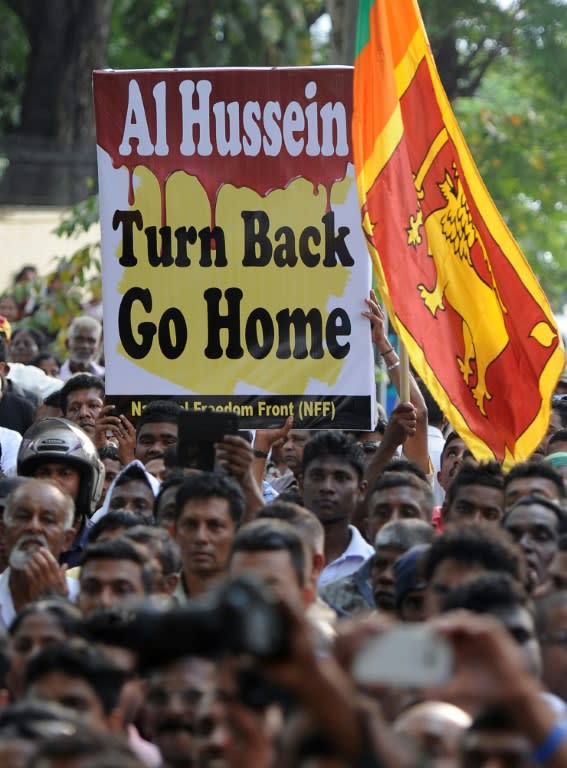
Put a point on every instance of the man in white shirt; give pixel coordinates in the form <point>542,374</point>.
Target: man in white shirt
<point>38,521</point>
<point>333,486</point>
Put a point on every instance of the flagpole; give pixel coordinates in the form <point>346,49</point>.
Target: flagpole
<point>404,375</point>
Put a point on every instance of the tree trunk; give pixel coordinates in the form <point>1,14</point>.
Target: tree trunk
<point>68,39</point>
<point>343,15</point>
<point>53,152</point>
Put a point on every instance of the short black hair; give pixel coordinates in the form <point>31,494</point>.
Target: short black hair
<point>65,613</point>
<point>536,469</point>
<point>172,480</point>
<point>334,443</point>
<point>45,355</point>
<point>408,480</point>
<point>79,381</point>
<point>38,336</point>
<point>119,548</point>
<point>486,545</point>
<point>83,662</point>
<point>114,520</point>
<point>272,535</point>
<point>400,464</point>
<point>488,593</point>
<point>159,543</point>
<point>160,410</point>
<point>488,474</point>
<point>303,520</point>
<point>209,485</point>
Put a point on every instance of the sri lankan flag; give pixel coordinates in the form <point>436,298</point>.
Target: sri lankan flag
<point>461,296</point>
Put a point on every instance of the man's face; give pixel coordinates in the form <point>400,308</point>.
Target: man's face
<point>62,474</point>
<point>83,408</point>
<point>71,692</point>
<point>36,518</point>
<point>105,583</point>
<point>553,643</point>
<point>554,426</point>
<point>536,529</point>
<point>528,486</point>
<point>382,576</point>
<point>398,503</point>
<point>292,449</point>
<point>204,532</point>
<point>448,575</point>
<point>453,455</point>
<point>272,566</point>
<point>521,626</point>
<point>133,496</point>
<point>83,345</point>
<point>332,489</point>
<point>213,737</point>
<point>166,509</point>
<point>172,696</point>
<point>112,469</point>
<point>153,438</point>
<point>476,504</point>
<point>35,632</point>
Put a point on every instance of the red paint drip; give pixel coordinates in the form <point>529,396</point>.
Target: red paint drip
<point>131,195</point>
<point>261,173</point>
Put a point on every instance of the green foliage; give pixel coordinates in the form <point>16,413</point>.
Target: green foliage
<point>73,282</point>
<point>516,128</point>
<point>79,218</point>
<point>14,48</point>
<point>182,33</point>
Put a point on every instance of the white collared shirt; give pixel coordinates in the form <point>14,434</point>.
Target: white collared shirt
<point>7,610</point>
<point>351,559</point>
<point>65,371</point>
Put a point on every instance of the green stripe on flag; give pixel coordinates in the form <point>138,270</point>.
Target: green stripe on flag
<point>363,24</point>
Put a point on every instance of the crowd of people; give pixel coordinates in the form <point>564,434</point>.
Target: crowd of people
<point>315,600</point>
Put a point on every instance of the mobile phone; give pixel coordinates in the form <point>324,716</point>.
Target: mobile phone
<point>198,432</point>
<point>409,655</point>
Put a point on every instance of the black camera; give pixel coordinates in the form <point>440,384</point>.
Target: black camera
<point>241,615</point>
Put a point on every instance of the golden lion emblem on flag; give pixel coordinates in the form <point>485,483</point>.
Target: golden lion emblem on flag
<point>450,236</point>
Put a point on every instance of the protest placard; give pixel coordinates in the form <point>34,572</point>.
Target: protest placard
<point>234,261</point>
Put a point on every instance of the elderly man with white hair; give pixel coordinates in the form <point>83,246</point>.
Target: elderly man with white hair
<point>84,344</point>
<point>38,525</point>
